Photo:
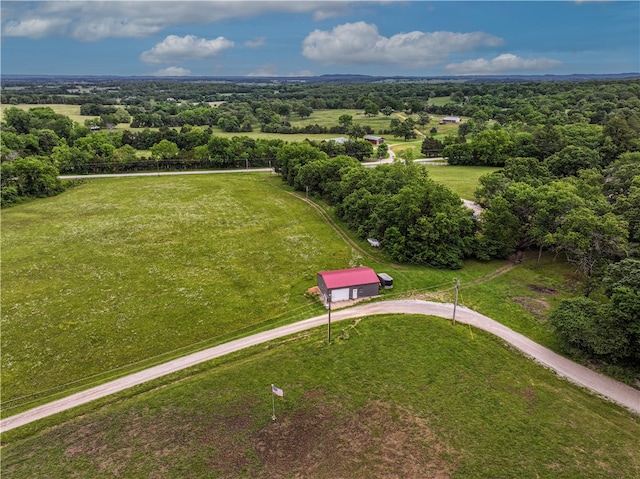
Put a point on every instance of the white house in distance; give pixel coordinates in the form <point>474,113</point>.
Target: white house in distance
<point>340,140</point>
<point>345,284</point>
<point>450,119</point>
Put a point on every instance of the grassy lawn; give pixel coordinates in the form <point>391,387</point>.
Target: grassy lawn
<point>463,180</point>
<point>119,274</point>
<point>400,396</point>
<point>439,100</point>
<point>523,296</point>
<point>329,118</point>
<point>118,271</point>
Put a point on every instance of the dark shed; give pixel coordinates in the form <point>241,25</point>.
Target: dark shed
<point>386,281</point>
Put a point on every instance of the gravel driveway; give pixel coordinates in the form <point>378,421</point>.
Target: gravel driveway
<point>604,386</point>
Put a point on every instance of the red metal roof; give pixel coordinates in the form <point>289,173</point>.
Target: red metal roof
<point>343,278</point>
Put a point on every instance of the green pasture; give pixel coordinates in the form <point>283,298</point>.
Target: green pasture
<point>329,118</point>
<point>118,274</point>
<point>119,271</point>
<point>463,180</point>
<point>399,396</point>
<point>72,111</point>
<point>439,100</point>
<point>443,130</point>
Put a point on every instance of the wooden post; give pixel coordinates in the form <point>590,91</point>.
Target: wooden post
<point>329,323</point>
<point>455,304</point>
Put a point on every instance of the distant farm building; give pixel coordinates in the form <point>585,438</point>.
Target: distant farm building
<point>450,119</point>
<point>340,140</point>
<point>345,284</point>
<point>374,140</point>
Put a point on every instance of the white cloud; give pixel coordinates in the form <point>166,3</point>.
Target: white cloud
<point>35,27</point>
<point>361,44</point>
<point>95,30</point>
<point>330,10</point>
<point>505,63</point>
<point>172,72</point>
<point>256,42</point>
<point>175,49</point>
<point>97,20</point>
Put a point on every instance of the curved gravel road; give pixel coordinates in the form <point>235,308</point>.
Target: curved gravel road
<point>604,386</point>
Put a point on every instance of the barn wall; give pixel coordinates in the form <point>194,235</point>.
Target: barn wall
<point>369,290</point>
<point>322,285</point>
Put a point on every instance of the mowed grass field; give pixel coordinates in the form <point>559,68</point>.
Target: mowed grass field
<point>117,274</point>
<point>463,180</point>
<point>400,396</point>
<point>117,271</point>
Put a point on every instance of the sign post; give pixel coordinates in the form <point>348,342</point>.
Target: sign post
<point>275,391</point>
<point>455,304</point>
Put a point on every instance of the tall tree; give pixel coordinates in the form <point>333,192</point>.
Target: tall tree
<point>588,238</point>
<point>164,150</point>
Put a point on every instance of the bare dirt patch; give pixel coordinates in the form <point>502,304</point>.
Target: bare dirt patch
<point>542,289</point>
<point>379,440</point>
<point>536,306</point>
<point>321,440</point>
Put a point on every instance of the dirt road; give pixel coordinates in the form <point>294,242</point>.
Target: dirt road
<point>606,387</point>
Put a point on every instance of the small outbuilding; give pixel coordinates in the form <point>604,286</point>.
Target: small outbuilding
<point>374,140</point>
<point>373,242</point>
<point>386,281</point>
<point>345,284</point>
<point>450,119</point>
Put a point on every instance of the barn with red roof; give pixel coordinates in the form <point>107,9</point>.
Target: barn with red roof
<point>345,284</point>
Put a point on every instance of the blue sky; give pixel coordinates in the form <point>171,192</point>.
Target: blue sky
<point>287,38</point>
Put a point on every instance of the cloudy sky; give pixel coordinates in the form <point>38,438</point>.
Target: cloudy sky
<point>295,38</point>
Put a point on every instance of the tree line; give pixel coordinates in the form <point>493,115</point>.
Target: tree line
<point>592,218</point>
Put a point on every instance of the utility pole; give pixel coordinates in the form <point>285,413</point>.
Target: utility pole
<point>329,323</point>
<point>455,304</point>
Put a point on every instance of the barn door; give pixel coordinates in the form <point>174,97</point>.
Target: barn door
<point>339,294</point>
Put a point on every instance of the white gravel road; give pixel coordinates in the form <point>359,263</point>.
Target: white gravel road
<point>604,386</point>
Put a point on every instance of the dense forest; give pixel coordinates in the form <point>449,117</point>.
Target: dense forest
<point>569,182</point>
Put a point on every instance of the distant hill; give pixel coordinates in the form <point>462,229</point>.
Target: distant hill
<point>9,79</point>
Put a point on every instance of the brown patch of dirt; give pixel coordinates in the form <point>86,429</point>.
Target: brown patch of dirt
<point>317,439</point>
<point>529,395</point>
<point>380,440</point>
<point>542,289</point>
<point>536,306</point>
